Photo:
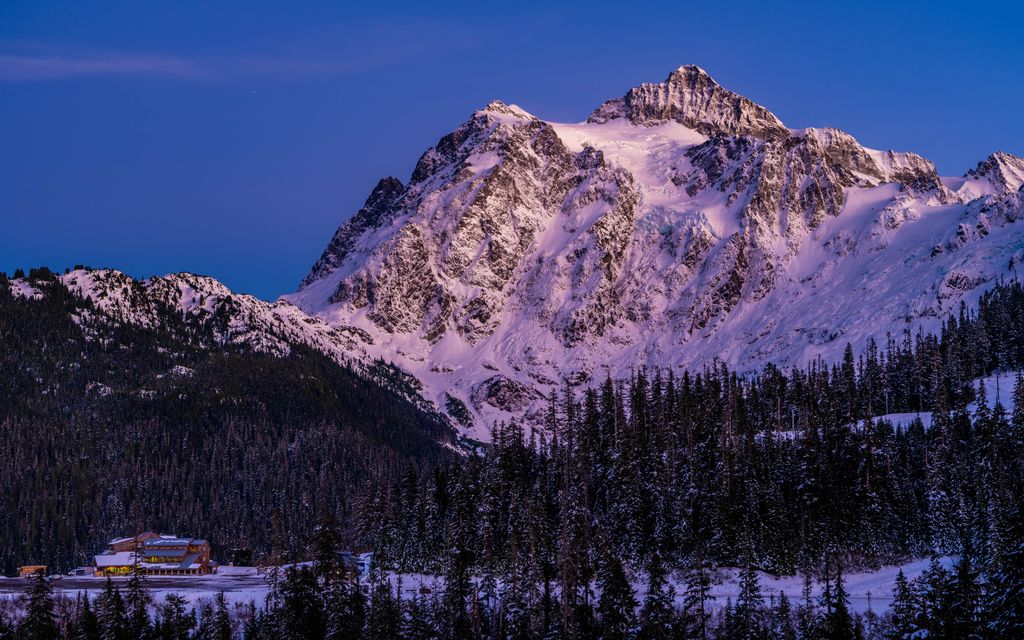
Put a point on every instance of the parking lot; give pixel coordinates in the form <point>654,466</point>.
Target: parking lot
<point>239,584</point>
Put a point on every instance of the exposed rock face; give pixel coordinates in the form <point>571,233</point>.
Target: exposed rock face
<point>1002,170</point>
<point>504,394</point>
<point>680,223</point>
<point>790,186</point>
<point>373,215</point>
<point>690,97</point>
<point>477,203</point>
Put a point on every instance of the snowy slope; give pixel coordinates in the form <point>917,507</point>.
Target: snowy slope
<point>231,318</point>
<point>997,388</point>
<point>678,224</point>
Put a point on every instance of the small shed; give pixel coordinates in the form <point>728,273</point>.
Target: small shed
<point>30,570</point>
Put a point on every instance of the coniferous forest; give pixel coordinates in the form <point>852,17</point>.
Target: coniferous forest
<point>608,521</point>
<point>322,600</point>
<point>138,428</point>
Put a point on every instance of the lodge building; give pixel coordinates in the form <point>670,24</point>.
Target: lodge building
<point>156,555</point>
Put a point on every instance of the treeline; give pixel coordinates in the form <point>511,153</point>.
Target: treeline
<point>324,601</point>
<point>782,471</point>
<point>631,483</point>
<point>789,469</point>
<point>138,429</point>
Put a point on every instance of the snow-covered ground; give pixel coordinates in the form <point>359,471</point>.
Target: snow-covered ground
<point>239,584</point>
<point>997,387</point>
<point>243,585</point>
<point>867,589</point>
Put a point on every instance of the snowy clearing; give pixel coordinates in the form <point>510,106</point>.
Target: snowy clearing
<point>243,585</point>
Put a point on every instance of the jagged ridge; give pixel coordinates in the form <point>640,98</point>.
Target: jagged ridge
<point>669,229</point>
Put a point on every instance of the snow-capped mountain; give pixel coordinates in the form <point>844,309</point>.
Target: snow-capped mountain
<point>204,314</point>
<point>680,223</point>
<point>213,313</point>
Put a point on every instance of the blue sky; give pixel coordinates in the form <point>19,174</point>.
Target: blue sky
<point>231,139</point>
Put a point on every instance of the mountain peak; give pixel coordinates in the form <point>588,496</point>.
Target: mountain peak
<point>691,97</point>
<point>523,252</point>
<point>1004,170</point>
<point>500,108</point>
<point>691,69</point>
<point>378,205</point>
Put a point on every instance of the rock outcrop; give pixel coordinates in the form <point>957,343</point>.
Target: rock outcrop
<point>680,223</point>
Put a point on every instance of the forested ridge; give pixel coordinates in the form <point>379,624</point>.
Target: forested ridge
<point>785,467</point>
<point>324,600</point>
<point>136,428</point>
<point>674,475</point>
<point>579,529</point>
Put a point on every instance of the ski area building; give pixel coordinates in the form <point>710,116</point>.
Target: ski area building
<point>156,555</point>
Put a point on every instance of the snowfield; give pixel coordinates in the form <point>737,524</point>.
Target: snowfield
<point>242,585</point>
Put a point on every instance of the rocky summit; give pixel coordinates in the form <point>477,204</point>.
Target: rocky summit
<point>679,224</point>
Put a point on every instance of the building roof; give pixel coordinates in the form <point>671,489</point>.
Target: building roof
<point>142,536</point>
<point>167,542</point>
<point>119,559</point>
<point>164,553</point>
<point>127,559</point>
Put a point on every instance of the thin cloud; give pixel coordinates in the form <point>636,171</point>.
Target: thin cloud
<point>15,67</point>
<point>331,50</point>
<point>21,68</point>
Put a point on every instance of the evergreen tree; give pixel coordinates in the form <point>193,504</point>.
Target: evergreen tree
<point>221,628</point>
<point>253,626</point>
<point>783,628</point>
<point>39,622</point>
<point>324,549</point>
<point>300,613</point>
<point>658,615</point>
<point>696,601</point>
<point>345,605</point>
<point>616,607</point>
<point>176,618</point>
<point>1005,597</point>
<point>88,623</point>
<point>205,620</point>
<point>808,612</point>
<point>459,542</point>
<point>965,601</point>
<point>838,623</point>
<point>1017,416</point>
<point>513,614</point>
<point>934,599</point>
<point>384,616</point>
<point>748,614</point>
<point>479,617</point>
<point>137,602</point>
<point>417,622</point>
<point>112,615</point>
<point>904,608</point>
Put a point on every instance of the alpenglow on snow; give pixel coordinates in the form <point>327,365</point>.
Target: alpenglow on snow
<point>669,229</point>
